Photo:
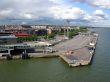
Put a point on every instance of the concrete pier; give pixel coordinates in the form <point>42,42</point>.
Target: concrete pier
<point>81,54</point>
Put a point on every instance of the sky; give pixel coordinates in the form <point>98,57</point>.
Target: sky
<point>79,12</point>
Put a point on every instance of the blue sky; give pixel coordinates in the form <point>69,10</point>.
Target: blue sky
<point>80,12</point>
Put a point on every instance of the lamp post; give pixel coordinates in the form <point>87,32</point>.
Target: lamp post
<point>68,22</point>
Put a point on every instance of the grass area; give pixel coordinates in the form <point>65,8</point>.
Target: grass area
<point>76,32</point>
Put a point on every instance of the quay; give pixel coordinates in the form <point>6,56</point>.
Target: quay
<point>81,50</point>
<point>75,52</point>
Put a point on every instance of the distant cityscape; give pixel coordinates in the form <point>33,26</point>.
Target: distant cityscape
<point>26,30</point>
<point>23,31</point>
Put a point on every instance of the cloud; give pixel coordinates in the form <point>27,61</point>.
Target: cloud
<point>96,16</point>
<point>75,13</point>
<point>99,14</point>
<point>26,9</point>
<point>102,3</point>
<point>98,3</point>
<point>57,1</point>
<point>27,16</point>
<point>49,10</point>
<point>60,12</point>
<point>35,9</point>
<point>6,12</point>
<point>88,18</point>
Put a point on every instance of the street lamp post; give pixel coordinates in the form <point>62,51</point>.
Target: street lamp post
<point>68,22</point>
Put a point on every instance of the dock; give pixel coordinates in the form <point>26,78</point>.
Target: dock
<point>75,52</point>
<point>81,51</point>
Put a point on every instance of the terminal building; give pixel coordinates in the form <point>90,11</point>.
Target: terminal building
<point>9,46</point>
<point>7,38</point>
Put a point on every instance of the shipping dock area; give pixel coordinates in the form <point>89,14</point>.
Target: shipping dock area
<point>80,50</point>
<point>75,52</point>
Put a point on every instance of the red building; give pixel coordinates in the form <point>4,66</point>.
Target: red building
<point>21,34</point>
<point>18,31</point>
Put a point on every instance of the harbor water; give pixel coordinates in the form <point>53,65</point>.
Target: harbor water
<point>56,70</point>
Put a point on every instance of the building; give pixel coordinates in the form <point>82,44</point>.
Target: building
<point>49,31</point>
<point>37,30</point>
<point>35,27</point>
<point>7,38</point>
<point>17,30</point>
<point>21,34</point>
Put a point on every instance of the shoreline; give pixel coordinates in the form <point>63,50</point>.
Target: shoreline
<point>72,59</point>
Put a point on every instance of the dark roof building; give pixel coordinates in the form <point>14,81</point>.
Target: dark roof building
<point>7,38</point>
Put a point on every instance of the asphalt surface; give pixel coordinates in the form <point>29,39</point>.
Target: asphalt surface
<point>77,42</point>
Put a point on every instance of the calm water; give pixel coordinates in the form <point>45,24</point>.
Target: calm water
<point>55,70</point>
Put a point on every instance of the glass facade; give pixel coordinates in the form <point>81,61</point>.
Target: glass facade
<point>6,38</point>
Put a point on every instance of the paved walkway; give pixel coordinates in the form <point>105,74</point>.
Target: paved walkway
<point>75,43</point>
